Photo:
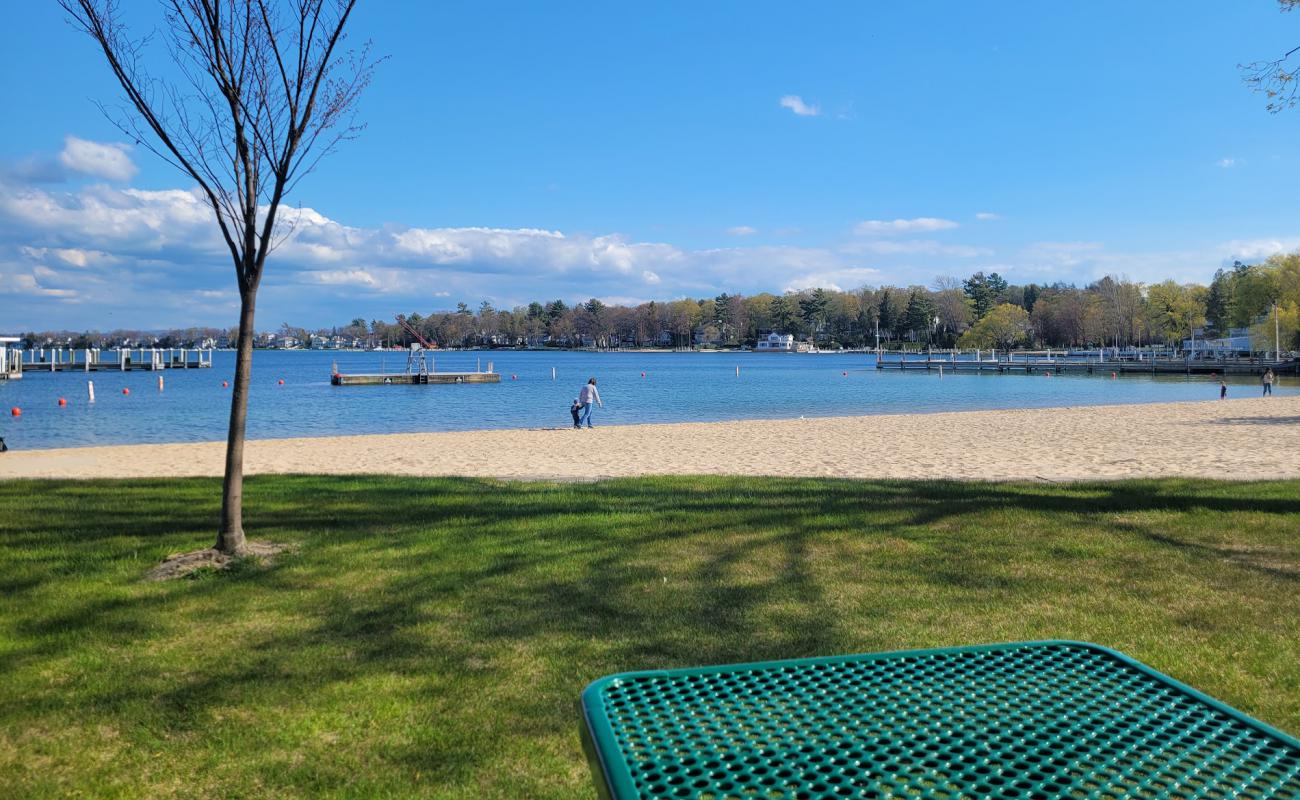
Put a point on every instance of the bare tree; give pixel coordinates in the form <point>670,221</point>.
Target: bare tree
<point>1279,78</point>
<point>262,90</point>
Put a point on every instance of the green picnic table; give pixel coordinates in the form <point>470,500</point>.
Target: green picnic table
<point>1021,720</point>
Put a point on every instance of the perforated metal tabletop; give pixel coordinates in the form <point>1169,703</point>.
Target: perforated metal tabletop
<point>1025,720</point>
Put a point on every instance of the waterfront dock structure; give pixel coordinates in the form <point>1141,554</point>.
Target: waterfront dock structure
<point>11,360</point>
<point>420,371</point>
<point>95,360</point>
<point>415,378</point>
<point>1029,364</point>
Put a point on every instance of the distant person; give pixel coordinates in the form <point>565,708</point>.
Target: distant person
<point>1268,382</point>
<point>587,398</point>
<point>576,411</point>
<point>3,446</point>
<point>1223,390</point>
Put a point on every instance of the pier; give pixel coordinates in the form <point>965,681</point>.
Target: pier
<point>1030,365</point>
<point>415,379</point>
<point>95,360</point>
<point>11,360</point>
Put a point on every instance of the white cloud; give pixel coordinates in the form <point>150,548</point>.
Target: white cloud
<point>890,247</point>
<point>1257,249</point>
<point>877,227</point>
<point>1065,254</point>
<point>796,104</point>
<point>154,258</point>
<point>838,280</point>
<point>1227,163</point>
<point>342,277</point>
<point>742,230</point>
<point>986,216</point>
<point>29,285</point>
<point>109,160</point>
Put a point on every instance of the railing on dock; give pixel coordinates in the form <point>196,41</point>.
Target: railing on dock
<point>93,359</point>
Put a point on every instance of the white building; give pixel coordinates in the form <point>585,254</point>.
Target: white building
<point>775,343</point>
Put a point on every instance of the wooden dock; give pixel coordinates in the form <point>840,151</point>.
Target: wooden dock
<point>11,360</point>
<point>96,360</point>
<point>1058,367</point>
<point>415,379</point>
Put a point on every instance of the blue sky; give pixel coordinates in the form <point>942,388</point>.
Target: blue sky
<point>520,151</point>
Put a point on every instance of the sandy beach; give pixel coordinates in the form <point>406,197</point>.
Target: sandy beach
<point>1235,439</point>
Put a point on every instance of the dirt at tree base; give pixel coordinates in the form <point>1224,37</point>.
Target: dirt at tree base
<point>178,565</point>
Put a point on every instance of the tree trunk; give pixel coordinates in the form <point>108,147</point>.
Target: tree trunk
<point>230,539</point>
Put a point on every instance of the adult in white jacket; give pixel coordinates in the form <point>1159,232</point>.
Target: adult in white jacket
<point>588,397</point>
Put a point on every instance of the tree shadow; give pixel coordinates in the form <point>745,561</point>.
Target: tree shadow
<point>487,586</point>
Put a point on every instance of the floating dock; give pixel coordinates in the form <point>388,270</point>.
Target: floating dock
<point>1058,367</point>
<point>96,360</point>
<point>415,379</point>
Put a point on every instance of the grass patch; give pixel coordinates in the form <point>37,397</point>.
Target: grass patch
<point>429,638</point>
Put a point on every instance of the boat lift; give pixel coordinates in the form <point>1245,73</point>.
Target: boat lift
<point>416,364</point>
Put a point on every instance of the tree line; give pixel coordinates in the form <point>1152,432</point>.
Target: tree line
<point>982,310</point>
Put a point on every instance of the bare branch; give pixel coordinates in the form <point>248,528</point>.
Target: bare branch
<point>1278,79</point>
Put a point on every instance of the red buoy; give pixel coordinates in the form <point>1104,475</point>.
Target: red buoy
<point>62,402</point>
<point>16,411</point>
<point>642,374</point>
<point>282,381</point>
<point>126,391</point>
<point>224,384</point>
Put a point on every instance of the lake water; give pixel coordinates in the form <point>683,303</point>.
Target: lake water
<point>677,387</point>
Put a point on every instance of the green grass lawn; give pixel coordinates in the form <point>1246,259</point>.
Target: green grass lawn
<point>430,637</point>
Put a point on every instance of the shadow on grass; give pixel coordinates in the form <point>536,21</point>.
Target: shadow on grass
<point>474,584</point>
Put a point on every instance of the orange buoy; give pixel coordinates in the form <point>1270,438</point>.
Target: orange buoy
<point>126,391</point>
<point>282,381</point>
<point>16,411</point>
<point>62,402</point>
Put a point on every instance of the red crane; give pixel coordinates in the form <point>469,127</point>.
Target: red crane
<point>415,356</point>
<point>409,328</point>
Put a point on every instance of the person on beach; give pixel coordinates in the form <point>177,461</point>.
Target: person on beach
<point>1223,390</point>
<point>589,397</point>
<point>1268,381</point>
<point>575,411</point>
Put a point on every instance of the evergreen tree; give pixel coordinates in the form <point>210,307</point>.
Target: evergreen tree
<point>1030,297</point>
<point>782,314</point>
<point>1217,301</point>
<point>980,291</point>
<point>920,315</point>
<point>885,313</point>
<point>812,308</point>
